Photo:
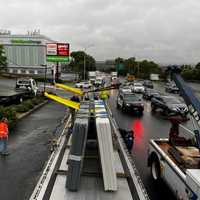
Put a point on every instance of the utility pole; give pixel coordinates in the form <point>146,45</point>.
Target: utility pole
<point>84,65</point>
<point>84,61</point>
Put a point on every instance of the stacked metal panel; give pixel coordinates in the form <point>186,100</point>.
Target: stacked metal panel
<point>106,150</point>
<point>77,150</point>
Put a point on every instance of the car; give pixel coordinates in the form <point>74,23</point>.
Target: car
<point>137,87</point>
<point>148,84</point>
<point>85,85</point>
<point>169,105</point>
<point>150,93</point>
<point>125,89</point>
<point>130,102</point>
<point>171,88</point>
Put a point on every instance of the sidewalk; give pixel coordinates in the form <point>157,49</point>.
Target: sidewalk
<point>28,148</point>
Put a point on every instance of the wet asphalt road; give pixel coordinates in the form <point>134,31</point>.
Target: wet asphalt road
<point>146,127</point>
<point>29,150</point>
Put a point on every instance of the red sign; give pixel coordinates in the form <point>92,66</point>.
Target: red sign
<point>63,49</point>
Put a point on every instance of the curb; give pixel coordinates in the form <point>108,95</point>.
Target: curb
<point>32,110</point>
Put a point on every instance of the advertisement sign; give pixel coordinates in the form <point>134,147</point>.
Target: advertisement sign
<point>58,52</point>
<point>20,41</point>
<point>63,49</point>
<point>57,59</point>
<point>51,49</point>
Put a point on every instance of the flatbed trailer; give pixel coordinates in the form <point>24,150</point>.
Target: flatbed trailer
<point>52,183</point>
<point>8,97</point>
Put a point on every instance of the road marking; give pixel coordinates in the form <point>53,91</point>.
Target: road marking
<point>148,107</point>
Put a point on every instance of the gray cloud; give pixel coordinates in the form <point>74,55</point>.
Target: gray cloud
<point>164,31</point>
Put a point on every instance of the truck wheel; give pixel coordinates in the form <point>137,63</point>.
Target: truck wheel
<point>155,170</point>
<point>166,112</point>
<point>153,108</point>
<point>117,105</point>
<point>21,99</point>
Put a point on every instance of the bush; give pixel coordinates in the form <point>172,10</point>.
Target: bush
<point>21,108</point>
<point>29,104</point>
<point>11,114</point>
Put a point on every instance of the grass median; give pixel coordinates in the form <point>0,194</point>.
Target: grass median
<point>13,112</point>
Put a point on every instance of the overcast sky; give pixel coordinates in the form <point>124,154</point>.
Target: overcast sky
<point>166,31</point>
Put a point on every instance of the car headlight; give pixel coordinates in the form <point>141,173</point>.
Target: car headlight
<point>174,109</point>
<point>127,104</point>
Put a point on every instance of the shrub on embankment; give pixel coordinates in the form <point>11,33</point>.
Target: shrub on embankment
<point>13,112</point>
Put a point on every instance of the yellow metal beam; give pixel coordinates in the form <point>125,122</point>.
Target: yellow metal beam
<point>61,100</point>
<point>70,89</point>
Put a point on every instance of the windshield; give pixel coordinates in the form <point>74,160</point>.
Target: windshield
<point>171,100</point>
<point>132,98</point>
<point>138,84</point>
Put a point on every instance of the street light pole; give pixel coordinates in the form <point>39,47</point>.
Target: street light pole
<point>45,76</point>
<point>84,61</point>
<point>84,65</point>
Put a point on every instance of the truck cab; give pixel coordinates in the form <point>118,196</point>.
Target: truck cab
<point>27,84</point>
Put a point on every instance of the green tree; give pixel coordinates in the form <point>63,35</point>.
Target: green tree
<point>148,67</point>
<point>77,63</point>
<point>197,66</point>
<point>131,65</point>
<point>3,59</point>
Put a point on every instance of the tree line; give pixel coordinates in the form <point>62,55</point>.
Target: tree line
<point>141,69</point>
<point>191,72</point>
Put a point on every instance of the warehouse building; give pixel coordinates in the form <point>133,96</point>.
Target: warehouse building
<point>26,54</point>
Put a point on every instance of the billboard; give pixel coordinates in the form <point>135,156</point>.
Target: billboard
<point>51,49</point>
<point>58,52</point>
<point>62,49</point>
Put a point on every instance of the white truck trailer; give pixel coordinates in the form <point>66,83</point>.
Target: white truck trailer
<point>92,76</point>
<point>154,77</point>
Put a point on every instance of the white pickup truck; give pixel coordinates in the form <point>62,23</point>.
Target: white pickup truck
<point>177,165</point>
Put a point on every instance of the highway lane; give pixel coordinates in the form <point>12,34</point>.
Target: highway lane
<point>146,127</point>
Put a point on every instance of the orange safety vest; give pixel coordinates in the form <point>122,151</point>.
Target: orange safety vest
<point>3,130</point>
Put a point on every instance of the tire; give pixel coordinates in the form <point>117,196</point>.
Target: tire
<point>140,112</point>
<point>153,108</point>
<point>117,105</point>
<point>155,170</point>
<point>166,112</point>
<point>21,99</point>
<point>123,108</point>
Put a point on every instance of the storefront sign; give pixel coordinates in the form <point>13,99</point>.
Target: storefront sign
<point>51,49</point>
<point>58,52</point>
<point>20,41</point>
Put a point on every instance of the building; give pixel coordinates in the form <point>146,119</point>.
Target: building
<point>26,54</point>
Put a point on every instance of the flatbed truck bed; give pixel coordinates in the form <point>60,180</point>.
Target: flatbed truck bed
<point>52,183</point>
<point>178,166</point>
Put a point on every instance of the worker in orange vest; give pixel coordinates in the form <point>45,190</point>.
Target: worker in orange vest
<point>3,136</point>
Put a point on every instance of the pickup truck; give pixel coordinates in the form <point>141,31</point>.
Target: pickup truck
<point>177,165</point>
<point>24,89</point>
